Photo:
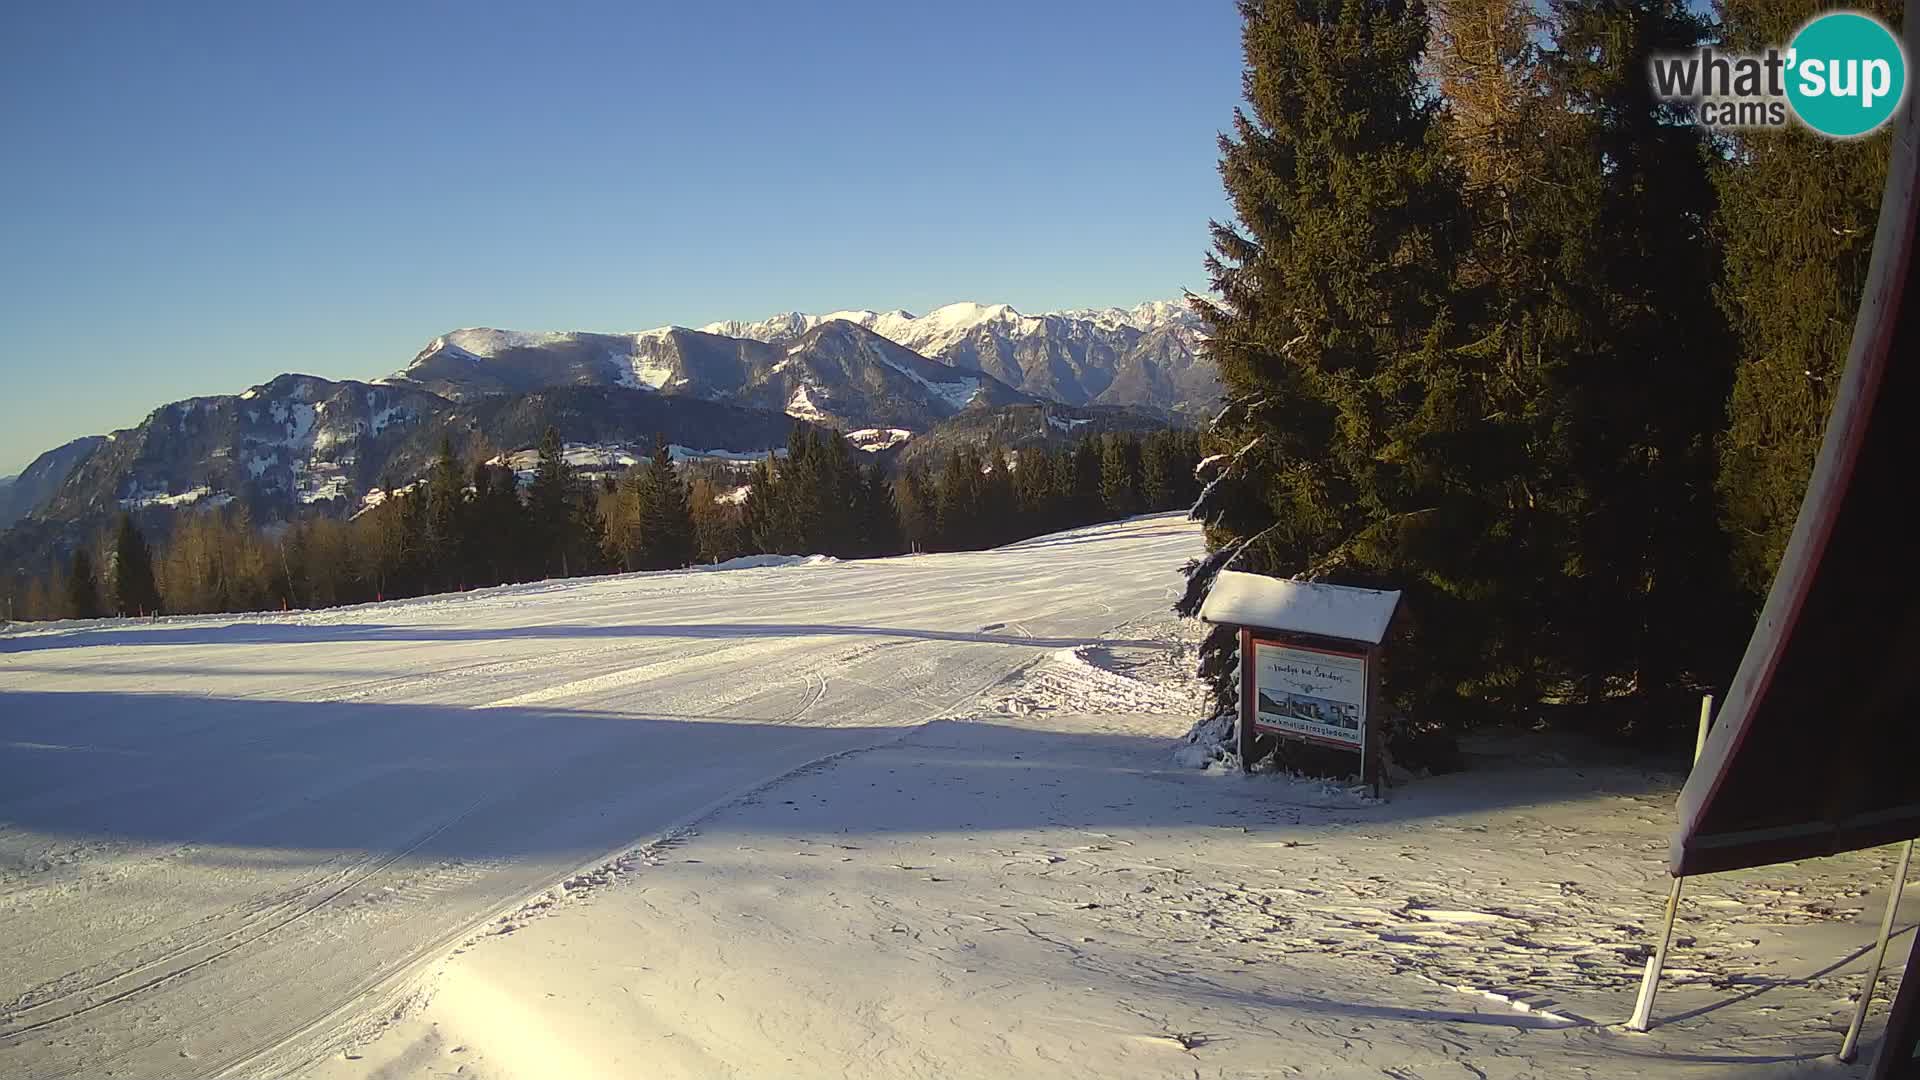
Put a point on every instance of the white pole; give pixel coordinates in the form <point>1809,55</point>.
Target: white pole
<point>1650,979</point>
<point>1706,720</point>
<point>1851,1045</point>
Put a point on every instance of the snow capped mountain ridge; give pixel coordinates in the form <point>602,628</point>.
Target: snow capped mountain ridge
<point>1146,356</point>
<point>952,321</point>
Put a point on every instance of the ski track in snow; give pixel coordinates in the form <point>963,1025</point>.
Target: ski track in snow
<point>226,841</point>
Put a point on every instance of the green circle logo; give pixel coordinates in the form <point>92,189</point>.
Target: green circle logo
<point>1847,74</point>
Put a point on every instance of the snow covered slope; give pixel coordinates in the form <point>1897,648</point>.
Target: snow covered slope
<point>228,842</point>
<point>1031,889</point>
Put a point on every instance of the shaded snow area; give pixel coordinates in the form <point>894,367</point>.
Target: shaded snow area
<point>914,817</point>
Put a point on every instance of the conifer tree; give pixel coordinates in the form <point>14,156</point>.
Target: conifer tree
<point>1796,222</point>
<point>134,591</point>
<point>1647,367</point>
<point>999,504</point>
<point>566,532</point>
<point>1120,469</point>
<point>1034,490</point>
<point>915,496</point>
<point>1334,331</point>
<point>445,552</point>
<point>1157,472</point>
<point>666,519</point>
<point>497,524</point>
<point>764,511</point>
<point>1082,484</point>
<point>958,526</point>
<point>83,586</point>
<point>879,519</point>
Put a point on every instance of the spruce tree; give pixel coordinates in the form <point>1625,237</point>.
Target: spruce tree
<point>1349,407</point>
<point>1796,222</point>
<point>1033,482</point>
<point>566,533</point>
<point>763,517</point>
<point>1082,484</point>
<point>83,586</point>
<point>666,519</point>
<point>958,523</point>
<point>1647,365</point>
<point>915,496</point>
<point>134,591</point>
<point>497,525</point>
<point>999,505</point>
<point>1120,469</point>
<point>1157,471</point>
<point>445,553</point>
<point>879,519</point>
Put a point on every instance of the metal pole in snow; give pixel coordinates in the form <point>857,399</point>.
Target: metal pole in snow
<point>1650,979</point>
<point>1850,1046</point>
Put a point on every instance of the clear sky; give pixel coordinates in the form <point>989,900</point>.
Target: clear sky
<point>195,197</point>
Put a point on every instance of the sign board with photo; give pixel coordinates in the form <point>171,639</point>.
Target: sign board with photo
<point>1309,662</point>
<point>1310,693</point>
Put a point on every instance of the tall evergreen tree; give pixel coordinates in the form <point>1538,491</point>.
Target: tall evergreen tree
<point>666,518</point>
<point>566,532</point>
<point>764,513</point>
<point>497,525</point>
<point>1334,331</point>
<point>1120,474</point>
<point>1797,216</point>
<point>918,501</point>
<point>445,554</point>
<point>958,525</point>
<point>1647,371</point>
<point>1082,484</point>
<point>1158,472</point>
<point>83,586</point>
<point>1035,490</point>
<point>134,591</point>
<point>879,519</point>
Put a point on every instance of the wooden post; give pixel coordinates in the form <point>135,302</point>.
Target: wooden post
<point>1374,760</point>
<point>1243,731</point>
<point>1850,1046</point>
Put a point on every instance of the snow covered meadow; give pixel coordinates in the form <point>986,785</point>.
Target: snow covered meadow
<point>904,817</point>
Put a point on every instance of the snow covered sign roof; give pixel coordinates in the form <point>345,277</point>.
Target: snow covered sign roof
<point>1301,607</point>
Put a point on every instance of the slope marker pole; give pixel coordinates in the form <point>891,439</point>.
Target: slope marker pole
<point>1851,1045</point>
<point>1650,979</point>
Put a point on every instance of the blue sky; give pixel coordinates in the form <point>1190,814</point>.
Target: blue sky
<point>196,197</point>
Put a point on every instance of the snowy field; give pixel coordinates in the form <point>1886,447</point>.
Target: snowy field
<point>909,817</point>
<point>1031,890</point>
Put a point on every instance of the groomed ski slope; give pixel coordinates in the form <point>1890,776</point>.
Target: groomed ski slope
<point>225,841</point>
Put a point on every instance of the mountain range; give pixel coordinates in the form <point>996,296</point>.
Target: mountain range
<point>1145,357</point>
<point>960,372</point>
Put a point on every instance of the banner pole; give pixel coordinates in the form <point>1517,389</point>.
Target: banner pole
<point>1850,1046</point>
<point>1650,979</point>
